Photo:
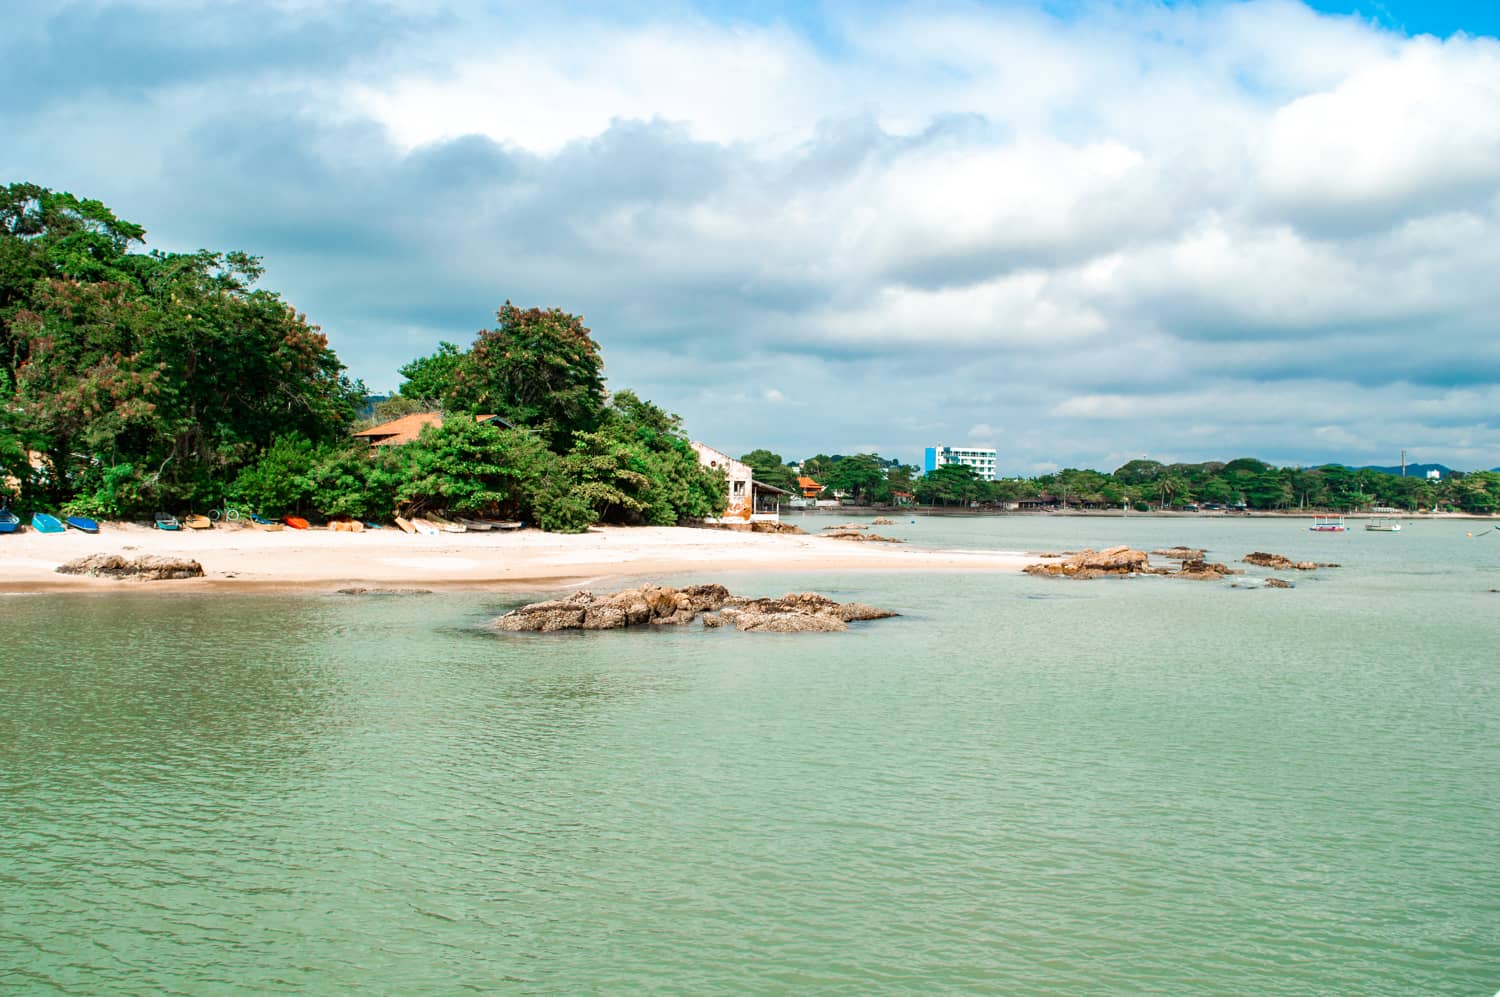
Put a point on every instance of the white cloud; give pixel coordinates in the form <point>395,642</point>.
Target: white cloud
<point>1198,228</point>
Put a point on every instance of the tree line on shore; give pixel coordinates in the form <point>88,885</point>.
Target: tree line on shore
<point>1245,483</point>
<point>134,381</point>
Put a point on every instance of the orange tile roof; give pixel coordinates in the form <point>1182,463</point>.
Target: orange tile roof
<point>406,428</point>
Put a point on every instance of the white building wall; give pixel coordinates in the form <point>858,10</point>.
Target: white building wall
<point>982,459</point>
<point>740,507</point>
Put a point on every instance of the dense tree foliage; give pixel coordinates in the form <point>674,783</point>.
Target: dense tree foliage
<point>1244,483</point>
<point>770,469</point>
<point>131,381</point>
<point>540,368</point>
<point>144,379</point>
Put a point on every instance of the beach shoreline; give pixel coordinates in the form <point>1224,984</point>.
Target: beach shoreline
<point>247,560</point>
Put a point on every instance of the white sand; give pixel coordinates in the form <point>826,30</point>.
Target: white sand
<point>249,560</point>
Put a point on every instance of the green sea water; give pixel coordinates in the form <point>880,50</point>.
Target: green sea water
<point>1020,786</point>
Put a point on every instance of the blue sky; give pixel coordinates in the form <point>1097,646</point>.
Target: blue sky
<point>1435,17</point>
<point>1081,232</point>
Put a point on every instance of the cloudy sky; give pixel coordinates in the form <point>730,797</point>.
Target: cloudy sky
<point>1080,232</point>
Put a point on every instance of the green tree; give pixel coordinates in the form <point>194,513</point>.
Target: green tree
<point>538,368</point>
<point>469,467</point>
<point>148,379</point>
<point>430,381</point>
<point>859,476</point>
<point>770,469</point>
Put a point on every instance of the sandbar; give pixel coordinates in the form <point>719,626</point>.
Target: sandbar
<point>237,559</point>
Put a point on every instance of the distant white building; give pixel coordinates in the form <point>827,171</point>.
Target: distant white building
<point>1434,475</point>
<point>749,500</point>
<point>981,459</point>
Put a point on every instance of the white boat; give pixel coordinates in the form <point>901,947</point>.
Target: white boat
<point>1328,524</point>
<point>1382,525</point>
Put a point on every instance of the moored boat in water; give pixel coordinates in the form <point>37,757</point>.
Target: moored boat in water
<point>1328,524</point>
<point>1382,525</point>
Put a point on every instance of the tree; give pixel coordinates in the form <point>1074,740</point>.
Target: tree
<point>770,469</point>
<point>469,467</point>
<point>541,369</point>
<point>858,476</point>
<point>146,379</point>
<point>950,484</point>
<point>430,380</point>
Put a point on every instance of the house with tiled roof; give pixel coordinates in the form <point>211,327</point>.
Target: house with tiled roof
<point>409,427</point>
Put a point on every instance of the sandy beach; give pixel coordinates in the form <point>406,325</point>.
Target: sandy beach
<point>250,560</point>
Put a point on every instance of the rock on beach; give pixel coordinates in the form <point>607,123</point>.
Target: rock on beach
<point>147,567</point>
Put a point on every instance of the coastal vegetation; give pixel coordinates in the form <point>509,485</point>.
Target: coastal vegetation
<point>132,381</point>
<point>1244,484</point>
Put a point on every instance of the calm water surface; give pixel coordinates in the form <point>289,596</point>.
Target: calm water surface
<point>1022,785</point>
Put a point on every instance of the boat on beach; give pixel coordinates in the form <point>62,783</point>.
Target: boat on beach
<point>262,523</point>
<point>193,521</point>
<point>296,522</point>
<point>166,521</point>
<point>9,521</point>
<point>1328,524</point>
<point>44,523</point>
<point>405,525</point>
<point>425,528</point>
<point>82,524</point>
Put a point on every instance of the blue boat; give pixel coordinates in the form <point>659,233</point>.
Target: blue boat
<point>43,523</point>
<point>83,524</point>
<point>9,521</point>
<point>166,521</point>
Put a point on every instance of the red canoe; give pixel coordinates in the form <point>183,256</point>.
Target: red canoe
<point>295,522</point>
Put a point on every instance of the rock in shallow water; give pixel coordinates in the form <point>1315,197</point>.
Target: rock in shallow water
<point>658,605</point>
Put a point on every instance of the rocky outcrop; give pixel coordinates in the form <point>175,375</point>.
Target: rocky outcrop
<point>1095,564</point>
<point>659,605</point>
<point>1125,562</point>
<point>146,568</point>
<point>855,535</point>
<point>1197,569</point>
<point>1278,562</point>
<point>1277,583</point>
<point>882,521</point>
<point>758,526</point>
<point>359,590</point>
<point>1179,553</point>
<point>776,527</point>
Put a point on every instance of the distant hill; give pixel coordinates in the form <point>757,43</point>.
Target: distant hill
<point>1412,470</point>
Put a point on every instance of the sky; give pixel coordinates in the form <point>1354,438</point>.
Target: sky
<point>1080,232</point>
